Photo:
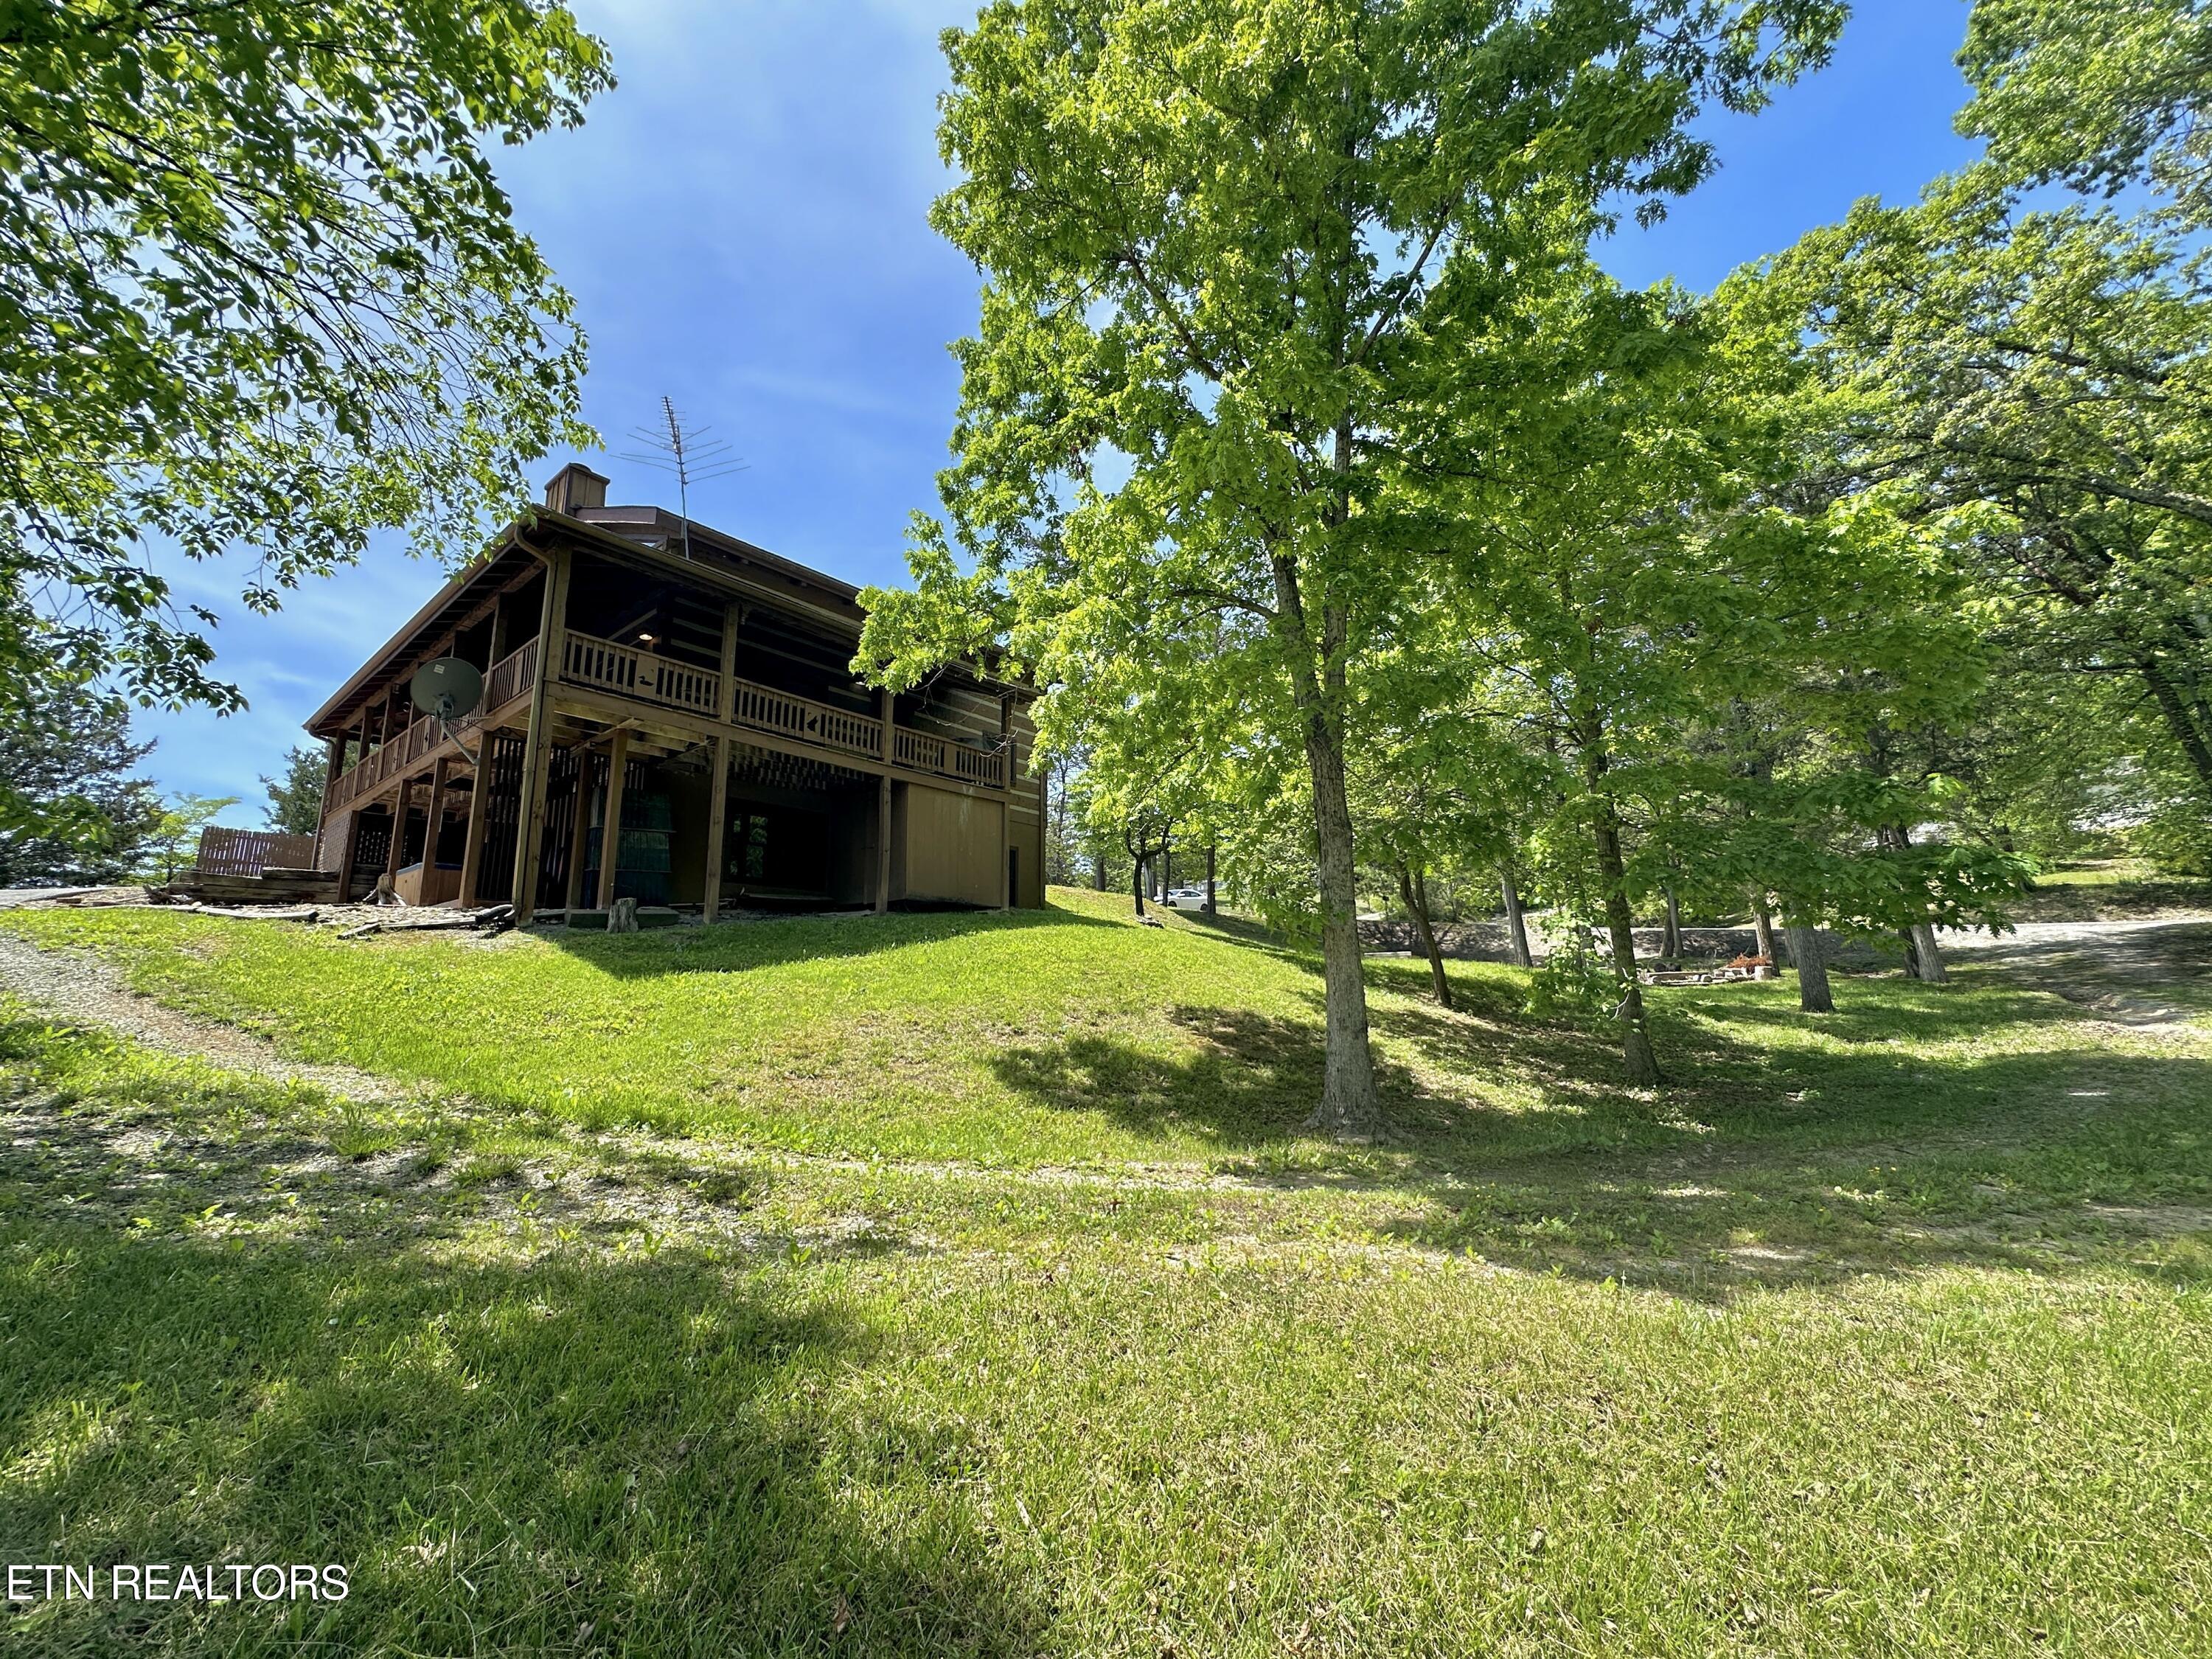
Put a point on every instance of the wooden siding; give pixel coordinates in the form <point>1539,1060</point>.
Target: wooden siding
<point>951,846</point>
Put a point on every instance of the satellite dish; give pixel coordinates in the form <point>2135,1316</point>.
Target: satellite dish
<point>448,688</point>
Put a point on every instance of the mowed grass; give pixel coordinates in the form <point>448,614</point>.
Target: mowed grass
<point>1067,1035</point>
<point>1890,1332</point>
<point>1046,1035</point>
<point>2114,890</point>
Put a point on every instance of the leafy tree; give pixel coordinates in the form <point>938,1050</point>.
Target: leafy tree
<point>296,796</point>
<point>1225,243</point>
<point>2097,94</point>
<point>71,809</point>
<point>1440,788</point>
<point>2046,763</point>
<point>260,288</point>
<point>2041,378</point>
<point>174,841</point>
<point>1625,571</point>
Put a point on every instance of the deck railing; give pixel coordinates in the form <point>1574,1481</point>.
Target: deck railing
<point>803,718</point>
<point>606,665</point>
<point>506,679</point>
<point>385,760</point>
<point>628,672</point>
<point>924,751</point>
<point>510,676</point>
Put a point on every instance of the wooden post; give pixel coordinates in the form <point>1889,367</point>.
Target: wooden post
<point>717,820</point>
<point>479,791</point>
<point>434,820</point>
<point>580,823</point>
<point>734,619</point>
<point>883,813</point>
<point>352,845</point>
<point>399,829</point>
<point>537,744</point>
<point>610,836</point>
<point>1006,893</point>
<point>336,747</point>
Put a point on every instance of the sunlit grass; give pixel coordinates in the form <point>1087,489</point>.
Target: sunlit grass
<point>2112,889</point>
<point>1063,1035</point>
<point>1889,1332</point>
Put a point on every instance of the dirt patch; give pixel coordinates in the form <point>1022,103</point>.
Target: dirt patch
<point>78,987</point>
<point>2141,976</point>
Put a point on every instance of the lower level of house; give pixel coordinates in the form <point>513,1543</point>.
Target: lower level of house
<point>602,801</point>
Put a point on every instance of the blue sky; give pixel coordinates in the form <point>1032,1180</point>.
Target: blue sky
<point>742,221</point>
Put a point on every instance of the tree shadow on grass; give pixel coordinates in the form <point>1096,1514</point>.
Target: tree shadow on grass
<point>1981,1125</point>
<point>1248,1081</point>
<point>567,1455</point>
<point>1760,1163</point>
<point>1831,1164</point>
<point>239,1326</point>
<point>739,946</point>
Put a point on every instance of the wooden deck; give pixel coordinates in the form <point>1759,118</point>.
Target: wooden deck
<point>692,704</point>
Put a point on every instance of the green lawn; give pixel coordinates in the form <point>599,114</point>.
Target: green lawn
<point>2114,890</point>
<point>1885,1333</point>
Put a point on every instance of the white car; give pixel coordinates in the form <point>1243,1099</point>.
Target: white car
<point>1185,898</point>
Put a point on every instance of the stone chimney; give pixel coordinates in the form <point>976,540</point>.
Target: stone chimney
<point>575,486</point>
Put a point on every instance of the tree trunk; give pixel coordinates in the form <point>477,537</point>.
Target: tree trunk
<point>1098,870</point>
<point>2180,719</point>
<point>1670,946</point>
<point>1928,960</point>
<point>1621,932</point>
<point>1136,883</point>
<point>1923,960</point>
<point>1762,927</point>
<point>1413,888</point>
<point>1351,1105</point>
<point>1516,926</point>
<point>1813,993</point>
<point>1209,880</point>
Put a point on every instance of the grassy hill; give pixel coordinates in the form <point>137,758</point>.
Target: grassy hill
<point>966,1284</point>
<point>1069,1034</point>
<point>2115,890</point>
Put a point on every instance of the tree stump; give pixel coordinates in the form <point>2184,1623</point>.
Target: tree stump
<point>622,917</point>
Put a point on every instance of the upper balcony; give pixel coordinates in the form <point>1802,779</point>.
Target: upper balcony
<point>609,668</point>
<point>627,671</point>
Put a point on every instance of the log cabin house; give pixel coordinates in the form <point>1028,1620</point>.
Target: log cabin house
<point>669,714</point>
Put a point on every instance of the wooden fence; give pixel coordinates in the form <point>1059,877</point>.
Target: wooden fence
<point>248,852</point>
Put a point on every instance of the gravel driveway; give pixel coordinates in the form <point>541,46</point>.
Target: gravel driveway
<point>2135,973</point>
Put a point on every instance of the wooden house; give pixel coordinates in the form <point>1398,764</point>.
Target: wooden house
<point>669,714</point>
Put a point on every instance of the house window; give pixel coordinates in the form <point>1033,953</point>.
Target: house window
<point>745,854</point>
<point>756,848</point>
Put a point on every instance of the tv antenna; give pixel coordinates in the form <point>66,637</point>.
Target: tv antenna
<point>688,452</point>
